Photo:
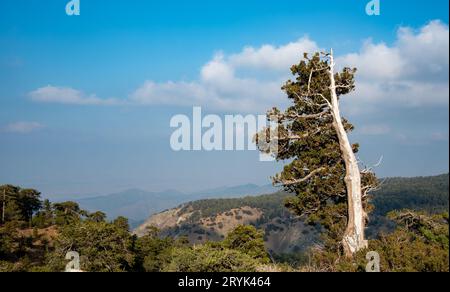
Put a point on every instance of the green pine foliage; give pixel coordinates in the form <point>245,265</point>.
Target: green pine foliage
<point>210,258</point>
<point>307,141</point>
<point>103,246</point>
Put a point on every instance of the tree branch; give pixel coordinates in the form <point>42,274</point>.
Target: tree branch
<point>299,181</point>
<point>325,99</point>
<point>297,137</point>
<point>282,116</point>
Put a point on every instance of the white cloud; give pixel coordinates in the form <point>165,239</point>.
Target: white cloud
<point>220,86</point>
<point>218,71</point>
<point>375,130</point>
<point>67,95</point>
<point>375,61</point>
<point>217,88</point>
<point>22,127</point>
<point>413,71</point>
<point>272,57</point>
<point>427,52</point>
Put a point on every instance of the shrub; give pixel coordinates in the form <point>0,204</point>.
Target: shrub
<point>207,258</point>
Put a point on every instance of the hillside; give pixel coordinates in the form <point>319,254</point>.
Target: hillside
<point>137,204</point>
<point>284,233</point>
<point>423,193</point>
<point>430,194</point>
<point>212,219</point>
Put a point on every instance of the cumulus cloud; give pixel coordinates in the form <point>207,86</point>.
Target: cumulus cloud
<point>22,127</point>
<point>273,57</point>
<point>218,88</point>
<point>67,95</point>
<point>221,86</point>
<point>413,71</point>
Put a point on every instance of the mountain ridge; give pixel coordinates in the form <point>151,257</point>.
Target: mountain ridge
<point>137,204</point>
<point>209,220</point>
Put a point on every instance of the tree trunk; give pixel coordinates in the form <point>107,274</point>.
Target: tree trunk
<point>353,240</point>
<point>4,205</point>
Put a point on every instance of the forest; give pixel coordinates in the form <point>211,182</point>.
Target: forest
<point>36,235</point>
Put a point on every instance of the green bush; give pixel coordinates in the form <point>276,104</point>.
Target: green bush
<point>419,244</point>
<point>242,251</point>
<point>248,240</point>
<point>206,258</point>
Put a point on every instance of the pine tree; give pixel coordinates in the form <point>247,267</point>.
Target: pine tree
<point>29,202</point>
<point>48,213</point>
<point>8,199</point>
<point>323,171</point>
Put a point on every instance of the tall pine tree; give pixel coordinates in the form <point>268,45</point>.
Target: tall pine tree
<point>323,172</point>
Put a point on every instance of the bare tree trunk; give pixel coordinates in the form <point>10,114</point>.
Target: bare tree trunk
<point>4,206</point>
<point>353,240</point>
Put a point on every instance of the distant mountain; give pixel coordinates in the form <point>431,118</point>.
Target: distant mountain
<point>137,205</point>
<point>134,204</point>
<point>284,233</point>
<point>237,191</point>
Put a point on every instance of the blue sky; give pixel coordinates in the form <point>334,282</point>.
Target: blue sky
<point>59,133</point>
